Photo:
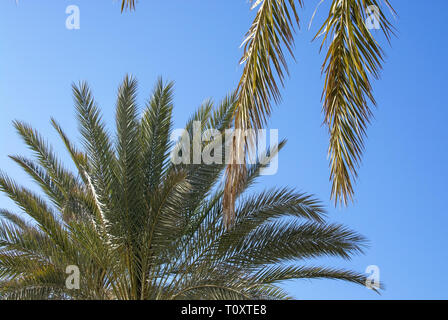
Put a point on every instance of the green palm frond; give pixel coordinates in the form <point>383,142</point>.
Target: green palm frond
<point>264,59</point>
<point>353,58</point>
<point>264,63</point>
<point>141,227</point>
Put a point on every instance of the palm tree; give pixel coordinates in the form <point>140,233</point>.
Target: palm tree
<point>353,58</point>
<point>139,226</point>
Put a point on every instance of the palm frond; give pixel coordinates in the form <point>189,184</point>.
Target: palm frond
<point>277,274</point>
<point>13,218</point>
<point>353,58</point>
<point>156,127</point>
<point>264,62</point>
<point>101,166</point>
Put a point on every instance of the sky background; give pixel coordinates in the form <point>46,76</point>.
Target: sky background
<point>401,193</point>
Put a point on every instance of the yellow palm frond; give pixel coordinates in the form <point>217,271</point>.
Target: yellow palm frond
<point>264,62</point>
<point>353,58</point>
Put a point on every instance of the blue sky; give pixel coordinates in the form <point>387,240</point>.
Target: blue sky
<point>400,195</point>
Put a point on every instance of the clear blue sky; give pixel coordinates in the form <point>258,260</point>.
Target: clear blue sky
<point>401,193</point>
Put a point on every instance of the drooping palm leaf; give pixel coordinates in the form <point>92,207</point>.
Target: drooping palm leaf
<point>353,58</point>
<point>263,61</point>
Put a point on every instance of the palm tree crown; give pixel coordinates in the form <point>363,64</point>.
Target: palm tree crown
<point>140,227</point>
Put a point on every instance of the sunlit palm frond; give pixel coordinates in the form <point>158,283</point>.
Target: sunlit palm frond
<point>353,58</point>
<point>156,127</point>
<point>264,61</point>
<point>264,64</point>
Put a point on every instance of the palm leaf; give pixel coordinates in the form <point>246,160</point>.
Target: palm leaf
<point>263,60</point>
<point>353,58</point>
